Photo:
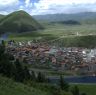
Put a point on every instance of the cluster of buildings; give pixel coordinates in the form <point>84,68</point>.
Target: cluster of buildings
<point>77,59</point>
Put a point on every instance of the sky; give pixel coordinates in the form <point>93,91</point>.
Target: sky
<point>42,7</point>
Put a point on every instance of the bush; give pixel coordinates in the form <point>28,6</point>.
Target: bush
<point>63,84</point>
<point>75,90</point>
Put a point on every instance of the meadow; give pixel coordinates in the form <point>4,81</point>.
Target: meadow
<point>90,89</point>
<point>9,87</point>
<point>66,35</point>
<point>60,30</point>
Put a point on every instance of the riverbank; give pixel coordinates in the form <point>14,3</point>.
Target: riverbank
<point>75,79</point>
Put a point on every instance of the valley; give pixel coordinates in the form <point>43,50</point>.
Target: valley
<point>51,48</point>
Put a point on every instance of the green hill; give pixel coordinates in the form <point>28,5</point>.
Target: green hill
<point>19,21</point>
<point>68,22</point>
<point>88,41</point>
<point>1,16</point>
<point>9,87</point>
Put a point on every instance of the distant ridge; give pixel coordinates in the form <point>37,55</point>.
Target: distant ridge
<point>18,21</point>
<point>84,17</point>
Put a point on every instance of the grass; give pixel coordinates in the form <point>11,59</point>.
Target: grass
<point>24,23</point>
<point>67,35</point>
<point>59,30</point>
<point>88,41</point>
<point>9,87</point>
<point>89,89</point>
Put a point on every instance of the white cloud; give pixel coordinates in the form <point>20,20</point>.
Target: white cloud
<point>7,6</point>
<point>3,12</point>
<point>47,3</point>
<point>21,7</point>
<point>27,2</point>
<point>8,2</point>
<point>35,7</point>
<point>64,2</point>
<point>65,6</point>
<point>28,5</point>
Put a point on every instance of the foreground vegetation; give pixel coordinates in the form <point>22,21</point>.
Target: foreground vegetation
<point>9,87</point>
<point>90,89</point>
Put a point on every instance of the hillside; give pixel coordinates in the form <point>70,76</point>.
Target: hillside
<point>86,17</point>
<point>1,16</point>
<point>75,35</point>
<point>88,41</point>
<point>9,87</point>
<point>68,22</point>
<point>19,21</point>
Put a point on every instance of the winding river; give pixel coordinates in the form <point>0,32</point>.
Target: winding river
<point>73,79</point>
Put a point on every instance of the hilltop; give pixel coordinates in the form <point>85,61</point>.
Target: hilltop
<point>19,21</point>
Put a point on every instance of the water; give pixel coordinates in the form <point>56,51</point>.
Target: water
<point>81,79</point>
<point>4,37</point>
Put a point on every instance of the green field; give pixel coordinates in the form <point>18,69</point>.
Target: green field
<point>9,87</point>
<point>90,89</point>
<point>60,30</point>
<point>78,35</point>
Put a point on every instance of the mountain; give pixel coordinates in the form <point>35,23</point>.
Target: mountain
<point>86,17</point>
<point>68,22</point>
<point>19,21</point>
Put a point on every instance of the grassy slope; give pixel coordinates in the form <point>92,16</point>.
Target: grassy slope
<point>59,30</point>
<point>2,16</point>
<point>9,87</point>
<point>79,41</point>
<point>70,38</point>
<point>19,21</point>
<point>90,89</point>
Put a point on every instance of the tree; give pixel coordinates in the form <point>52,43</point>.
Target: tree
<point>11,57</point>
<point>75,90</point>
<point>27,75</point>
<point>41,77</point>
<point>6,67</point>
<point>19,74</point>
<point>83,94</point>
<point>2,48</point>
<point>56,92</point>
<point>33,76</point>
<point>63,84</point>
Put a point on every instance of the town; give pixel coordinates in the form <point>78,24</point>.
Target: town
<point>77,59</point>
